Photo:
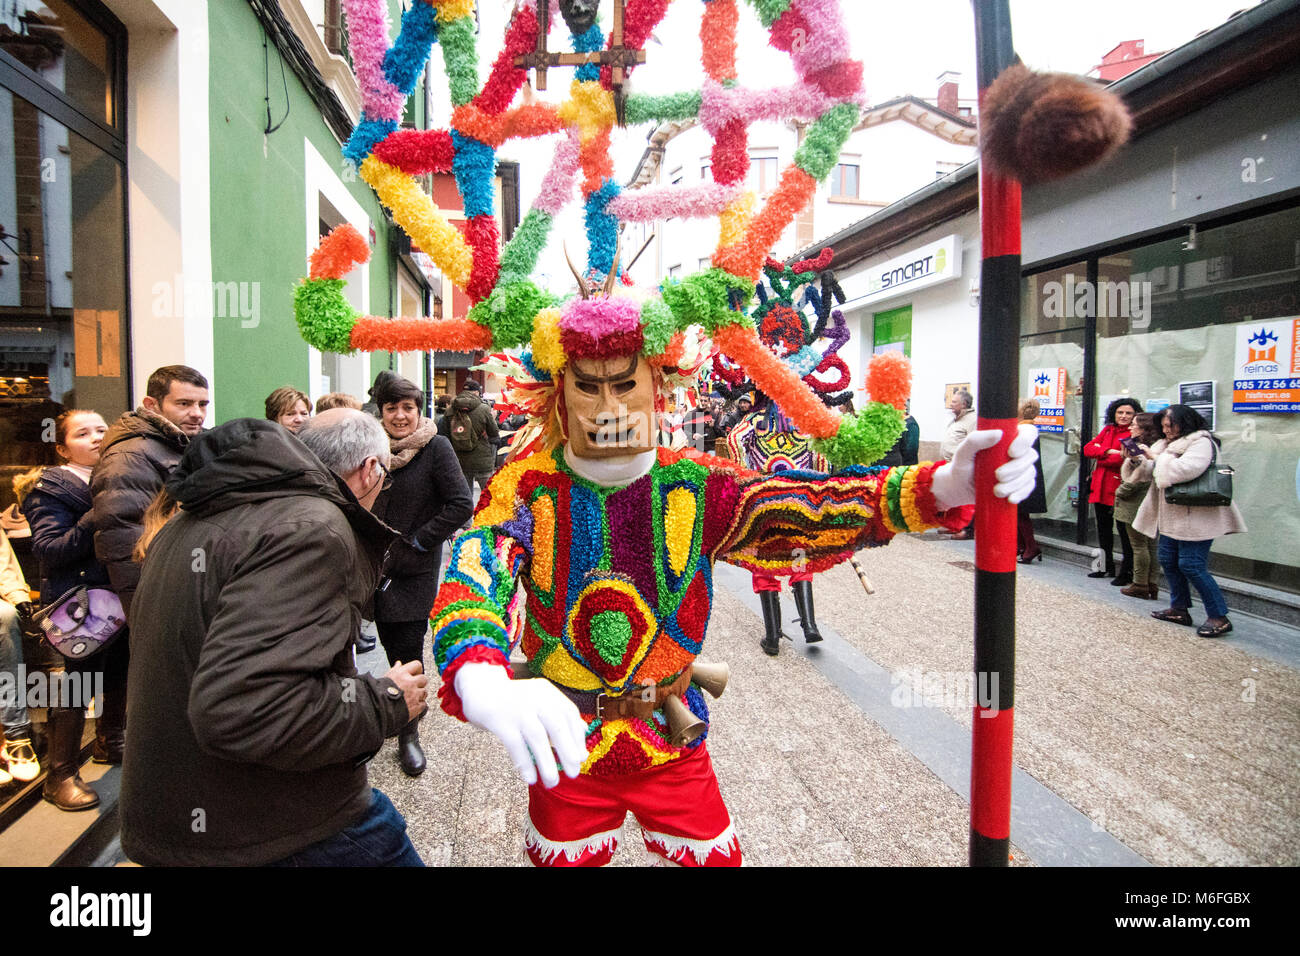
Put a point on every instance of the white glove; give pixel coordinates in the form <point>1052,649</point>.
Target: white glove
<point>954,483</point>
<point>528,716</point>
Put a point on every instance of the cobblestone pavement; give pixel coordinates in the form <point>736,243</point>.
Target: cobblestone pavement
<point>1136,741</point>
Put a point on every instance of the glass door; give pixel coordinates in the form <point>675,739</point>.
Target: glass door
<point>1051,372</point>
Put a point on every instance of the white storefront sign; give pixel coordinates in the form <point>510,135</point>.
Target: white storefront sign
<point>921,268</point>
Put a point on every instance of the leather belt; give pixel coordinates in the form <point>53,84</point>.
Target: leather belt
<point>639,702</point>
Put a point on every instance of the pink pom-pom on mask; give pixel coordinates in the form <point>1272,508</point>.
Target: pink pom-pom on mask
<point>600,327</point>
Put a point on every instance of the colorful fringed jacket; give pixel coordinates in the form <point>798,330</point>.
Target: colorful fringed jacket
<point>618,582</point>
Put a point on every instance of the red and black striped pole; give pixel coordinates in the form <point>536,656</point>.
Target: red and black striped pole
<point>995,518</point>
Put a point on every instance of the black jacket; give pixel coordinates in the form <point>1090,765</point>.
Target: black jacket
<point>138,453</point>
<point>1036,503</point>
<point>910,441</point>
<point>244,702</point>
<point>63,533</point>
<point>427,502</point>
<point>699,430</point>
<point>482,460</point>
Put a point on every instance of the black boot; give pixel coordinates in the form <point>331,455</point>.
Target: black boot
<point>409,752</point>
<point>1125,575</point>
<point>63,784</point>
<point>771,642</point>
<point>110,728</point>
<point>1108,571</point>
<point>804,602</point>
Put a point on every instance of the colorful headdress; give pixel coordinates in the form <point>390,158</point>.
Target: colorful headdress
<point>808,348</point>
<point>509,311</point>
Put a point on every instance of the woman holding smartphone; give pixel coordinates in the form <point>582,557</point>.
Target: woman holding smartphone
<point>1135,475</point>
<point>1105,450</point>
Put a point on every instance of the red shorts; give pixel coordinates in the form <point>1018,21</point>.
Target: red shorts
<point>770,582</point>
<point>682,816</point>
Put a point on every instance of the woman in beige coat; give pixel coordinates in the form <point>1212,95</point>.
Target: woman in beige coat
<point>1185,534</point>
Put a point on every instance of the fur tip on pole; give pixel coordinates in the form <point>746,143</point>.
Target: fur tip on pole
<point>1036,127</point>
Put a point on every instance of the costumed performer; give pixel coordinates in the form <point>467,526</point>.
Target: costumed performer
<point>614,541</point>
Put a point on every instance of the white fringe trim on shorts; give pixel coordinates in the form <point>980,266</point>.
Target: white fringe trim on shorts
<point>548,850</point>
<point>723,843</point>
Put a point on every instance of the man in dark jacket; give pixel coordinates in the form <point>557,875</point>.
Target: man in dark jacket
<point>249,726</point>
<point>473,431</point>
<point>138,452</point>
<point>699,429</point>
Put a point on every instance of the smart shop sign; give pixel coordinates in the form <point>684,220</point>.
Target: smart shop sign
<point>919,269</point>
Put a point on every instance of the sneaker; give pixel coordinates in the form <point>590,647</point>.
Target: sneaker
<point>23,765</point>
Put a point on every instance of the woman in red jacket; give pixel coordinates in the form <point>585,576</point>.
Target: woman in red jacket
<point>1106,450</point>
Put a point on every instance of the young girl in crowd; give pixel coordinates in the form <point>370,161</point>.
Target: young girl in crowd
<point>56,502</point>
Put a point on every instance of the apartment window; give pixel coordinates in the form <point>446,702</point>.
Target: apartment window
<point>675,177</point>
<point>762,174</point>
<point>844,181</point>
<point>334,31</point>
<point>706,170</point>
<point>706,262</point>
<point>675,272</point>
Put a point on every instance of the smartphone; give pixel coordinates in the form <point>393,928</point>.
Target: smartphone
<point>1130,446</point>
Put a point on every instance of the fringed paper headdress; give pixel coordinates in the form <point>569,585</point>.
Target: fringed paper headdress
<point>508,310</point>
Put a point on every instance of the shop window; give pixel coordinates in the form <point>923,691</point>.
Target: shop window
<point>67,50</point>
<point>1052,317</point>
<point>1198,300</point>
<point>63,321</point>
<point>1226,275</point>
<point>1054,301</point>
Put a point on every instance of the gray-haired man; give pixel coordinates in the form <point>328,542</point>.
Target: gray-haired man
<point>249,726</point>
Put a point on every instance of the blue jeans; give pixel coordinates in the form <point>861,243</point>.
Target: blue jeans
<point>1186,562</point>
<point>13,706</point>
<point>379,839</point>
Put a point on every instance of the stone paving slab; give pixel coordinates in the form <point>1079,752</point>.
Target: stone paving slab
<point>1184,748</point>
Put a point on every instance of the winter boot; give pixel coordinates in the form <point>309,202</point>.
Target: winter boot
<point>804,602</point>
<point>771,642</point>
<point>63,784</point>
<point>110,728</point>
<point>409,752</point>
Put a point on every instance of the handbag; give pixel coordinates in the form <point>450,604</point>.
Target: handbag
<point>82,622</point>
<point>1212,488</point>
